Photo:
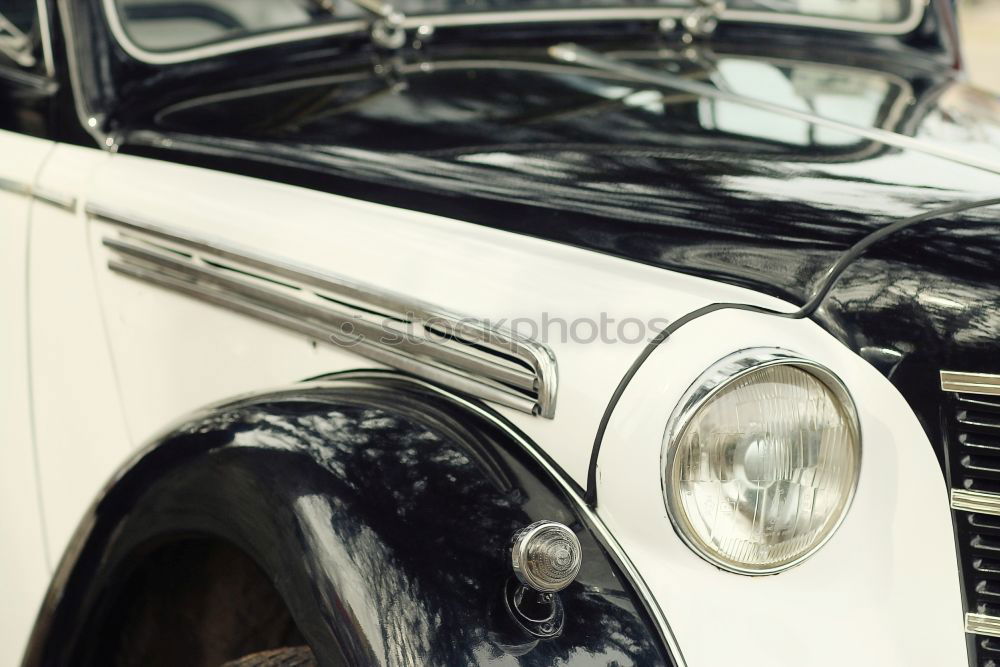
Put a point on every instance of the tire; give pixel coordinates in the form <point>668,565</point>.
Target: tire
<point>289,656</point>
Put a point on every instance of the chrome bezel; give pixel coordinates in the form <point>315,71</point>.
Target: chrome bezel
<point>720,375</point>
<point>519,556</point>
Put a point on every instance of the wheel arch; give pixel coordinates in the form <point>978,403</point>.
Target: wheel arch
<point>380,509</point>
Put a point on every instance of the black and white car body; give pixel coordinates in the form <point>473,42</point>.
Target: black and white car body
<point>312,311</point>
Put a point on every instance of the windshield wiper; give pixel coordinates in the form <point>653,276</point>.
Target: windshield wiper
<point>14,43</point>
<point>573,53</point>
<point>387,28</point>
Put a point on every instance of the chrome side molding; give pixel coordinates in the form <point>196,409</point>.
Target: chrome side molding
<point>985,384</point>
<point>15,187</point>
<point>52,198</point>
<point>982,624</point>
<point>980,502</point>
<point>461,353</point>
<point>61,200</point>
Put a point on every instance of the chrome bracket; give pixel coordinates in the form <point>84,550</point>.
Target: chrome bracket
<point>387,26</point>
<point>389,67</point>
<point>387,29</point>
<point>700,22</point>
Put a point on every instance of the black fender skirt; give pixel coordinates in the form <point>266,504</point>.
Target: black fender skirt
<point>380,509</point>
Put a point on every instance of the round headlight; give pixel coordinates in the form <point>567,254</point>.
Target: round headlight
<point>761,461</point>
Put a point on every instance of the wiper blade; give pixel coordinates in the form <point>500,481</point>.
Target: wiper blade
<point>14,33</point>
<point>575,54</point>
<point>14,43</point>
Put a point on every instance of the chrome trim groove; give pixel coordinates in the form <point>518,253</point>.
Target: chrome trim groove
<point>982,624</point>
<point>52,198</point>
<point>983,384</point>
<point>459,352</point>
<point>63,201</point>
<point>14,187</point>
<point>975,501</point>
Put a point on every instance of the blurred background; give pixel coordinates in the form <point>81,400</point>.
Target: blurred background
<point>979,22</point>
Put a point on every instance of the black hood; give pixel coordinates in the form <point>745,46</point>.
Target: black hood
<point>514,140</point>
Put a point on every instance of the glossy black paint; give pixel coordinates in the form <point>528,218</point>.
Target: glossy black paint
<point>928,301</point>
<point>383,514</point>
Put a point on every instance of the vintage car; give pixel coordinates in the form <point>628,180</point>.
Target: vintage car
<point>449,332</point>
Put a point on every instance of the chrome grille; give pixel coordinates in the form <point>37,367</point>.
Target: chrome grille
<point>972,437</point>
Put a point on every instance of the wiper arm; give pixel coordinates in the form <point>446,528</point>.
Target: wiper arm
<point>14,43</point>
<point>573,53</point>
<point>387,21</point>
<point>14,34</point>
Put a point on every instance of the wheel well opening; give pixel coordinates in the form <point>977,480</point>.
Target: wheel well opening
<point>195,601</point>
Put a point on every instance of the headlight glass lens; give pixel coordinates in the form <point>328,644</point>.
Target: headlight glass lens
<point>764,470</point>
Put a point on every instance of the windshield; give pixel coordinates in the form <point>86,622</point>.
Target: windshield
<point>164,26</point>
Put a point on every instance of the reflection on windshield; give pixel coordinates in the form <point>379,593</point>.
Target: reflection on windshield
<point>448,104</point>
<point>850,96</point>
<point>874,11</point>
<point>171,25</point>
<point>167,25</point>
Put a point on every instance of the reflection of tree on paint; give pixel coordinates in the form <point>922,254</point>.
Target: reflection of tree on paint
<point>420,523</point>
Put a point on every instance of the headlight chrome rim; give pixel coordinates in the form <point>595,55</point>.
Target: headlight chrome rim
<point>719,376</point>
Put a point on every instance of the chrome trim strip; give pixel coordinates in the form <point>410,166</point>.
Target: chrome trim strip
<point>89,118</point>
<point>984,384</point>
<point>295,305</point>
<point>980,502</point>
<point>910,23</point>
<point>597,524</point>
<point>460,352</point>
<point>63,201</point>
<point>14,187</point>
<point>52,198</point>
<point>720,375</point>
<point>907,25</point>
<point>982,624</point>
<point>44,28</point>
<point>547,16</point>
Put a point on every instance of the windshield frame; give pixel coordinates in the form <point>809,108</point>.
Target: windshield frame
<point>863,148</point>
<point>468,19</point>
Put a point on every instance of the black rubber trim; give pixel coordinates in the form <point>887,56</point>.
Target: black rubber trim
<point>826,283</point>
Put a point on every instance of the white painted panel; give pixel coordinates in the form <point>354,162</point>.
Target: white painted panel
<point>24,572</point>
<point>883,591</point>
<point>175,354</point>
<point>79,428</point>
<point>856,602</point>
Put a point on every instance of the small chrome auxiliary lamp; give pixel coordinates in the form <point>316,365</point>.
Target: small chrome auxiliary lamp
<point>546,557</point>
